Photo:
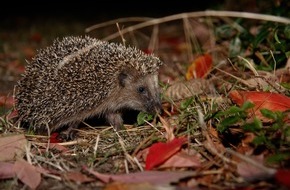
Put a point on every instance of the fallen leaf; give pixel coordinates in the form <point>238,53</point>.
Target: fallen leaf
<point>55,146</point>
<point>282,176</point>
<point>181,160</point>
<point>27,173</point>
<point>78,177</point>
<point>12,115</point>
<point>251,172</point>
<point>160,152</point>
<point>12,146</point>
<point>200,67</point>
<point>131,186</point>
<point>261,100</point>
<point>168,128</point>
<point>54,137</point>
<point>6,170</point>
<point>152,177</point>
<point>181,90</point>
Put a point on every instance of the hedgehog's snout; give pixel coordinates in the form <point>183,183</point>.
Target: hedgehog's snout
<point>154,106</point>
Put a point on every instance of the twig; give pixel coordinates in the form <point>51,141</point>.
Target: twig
<point>208,13</point>
<point>120,20</point>
<point>250,65</point>
<point>96,145</point>
<point>121,34</point>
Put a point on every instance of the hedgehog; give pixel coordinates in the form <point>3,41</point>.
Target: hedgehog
<point>80,77</point>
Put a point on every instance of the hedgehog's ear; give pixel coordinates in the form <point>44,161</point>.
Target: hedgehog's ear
<point>122,78</point>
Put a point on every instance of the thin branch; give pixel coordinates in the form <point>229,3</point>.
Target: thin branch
<point>208,13</point>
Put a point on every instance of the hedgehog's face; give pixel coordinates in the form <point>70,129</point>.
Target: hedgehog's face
<point>140,92</point>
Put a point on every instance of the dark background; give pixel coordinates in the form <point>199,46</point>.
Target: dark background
<point>92,11</point>
<point>96,11</point>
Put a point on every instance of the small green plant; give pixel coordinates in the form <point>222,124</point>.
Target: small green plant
<point>143,117</point>
<point>273,135</point>
<point>232,116</point>
<point>277,134</point>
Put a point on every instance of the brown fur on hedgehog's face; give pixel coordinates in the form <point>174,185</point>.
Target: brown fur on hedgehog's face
<point>139,92</point>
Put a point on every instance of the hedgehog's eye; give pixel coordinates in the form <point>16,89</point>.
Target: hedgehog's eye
<point>141,89</point>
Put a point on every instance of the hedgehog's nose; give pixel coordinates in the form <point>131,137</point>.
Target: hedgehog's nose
<point>154,107</point>
<point>158,107</point>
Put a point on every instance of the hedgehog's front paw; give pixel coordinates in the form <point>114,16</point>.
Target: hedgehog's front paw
<point>115,119</point>
<point>70,133</point>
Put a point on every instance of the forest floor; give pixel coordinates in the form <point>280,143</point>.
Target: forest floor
<point>225,101</point>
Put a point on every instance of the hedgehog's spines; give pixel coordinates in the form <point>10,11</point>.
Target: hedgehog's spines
<point>71,79</point>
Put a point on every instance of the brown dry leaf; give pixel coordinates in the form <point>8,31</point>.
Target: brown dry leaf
<point>12,146</point>
<point>152,177</point>
<point>250,172</point>
<point>134,186</point>
<point>78,177</point>
<point>180,160</point>
<point>169,129</point>
<point>6,170</point>
<point>27,173</point>
<point>58,147</point>
<point>142,154</point>
<point>185,89</point>
<point>244,147</point>
<point>263,81</point>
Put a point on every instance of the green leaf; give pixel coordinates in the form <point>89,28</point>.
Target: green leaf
<point>276,37</point>
<point>276,126</point>
<point>142,117</point>
<point>255,126</point>
<point>261,36</point>
<point>279,157</point>
<point>186,103</point>
<point>286,84</point>
<point>287,54</point>
<point>260,140</point>
<point>247,105</point>
<point>224,125</point>
<point>269,114</point>
<point>287,131</point>
<point>231,111</point>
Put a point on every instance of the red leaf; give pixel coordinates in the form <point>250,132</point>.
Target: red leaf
<point>262,100</point>
<point>200,67</point>
<point>283,177</point>
<point>54,138</point>
<point>160,152</point>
